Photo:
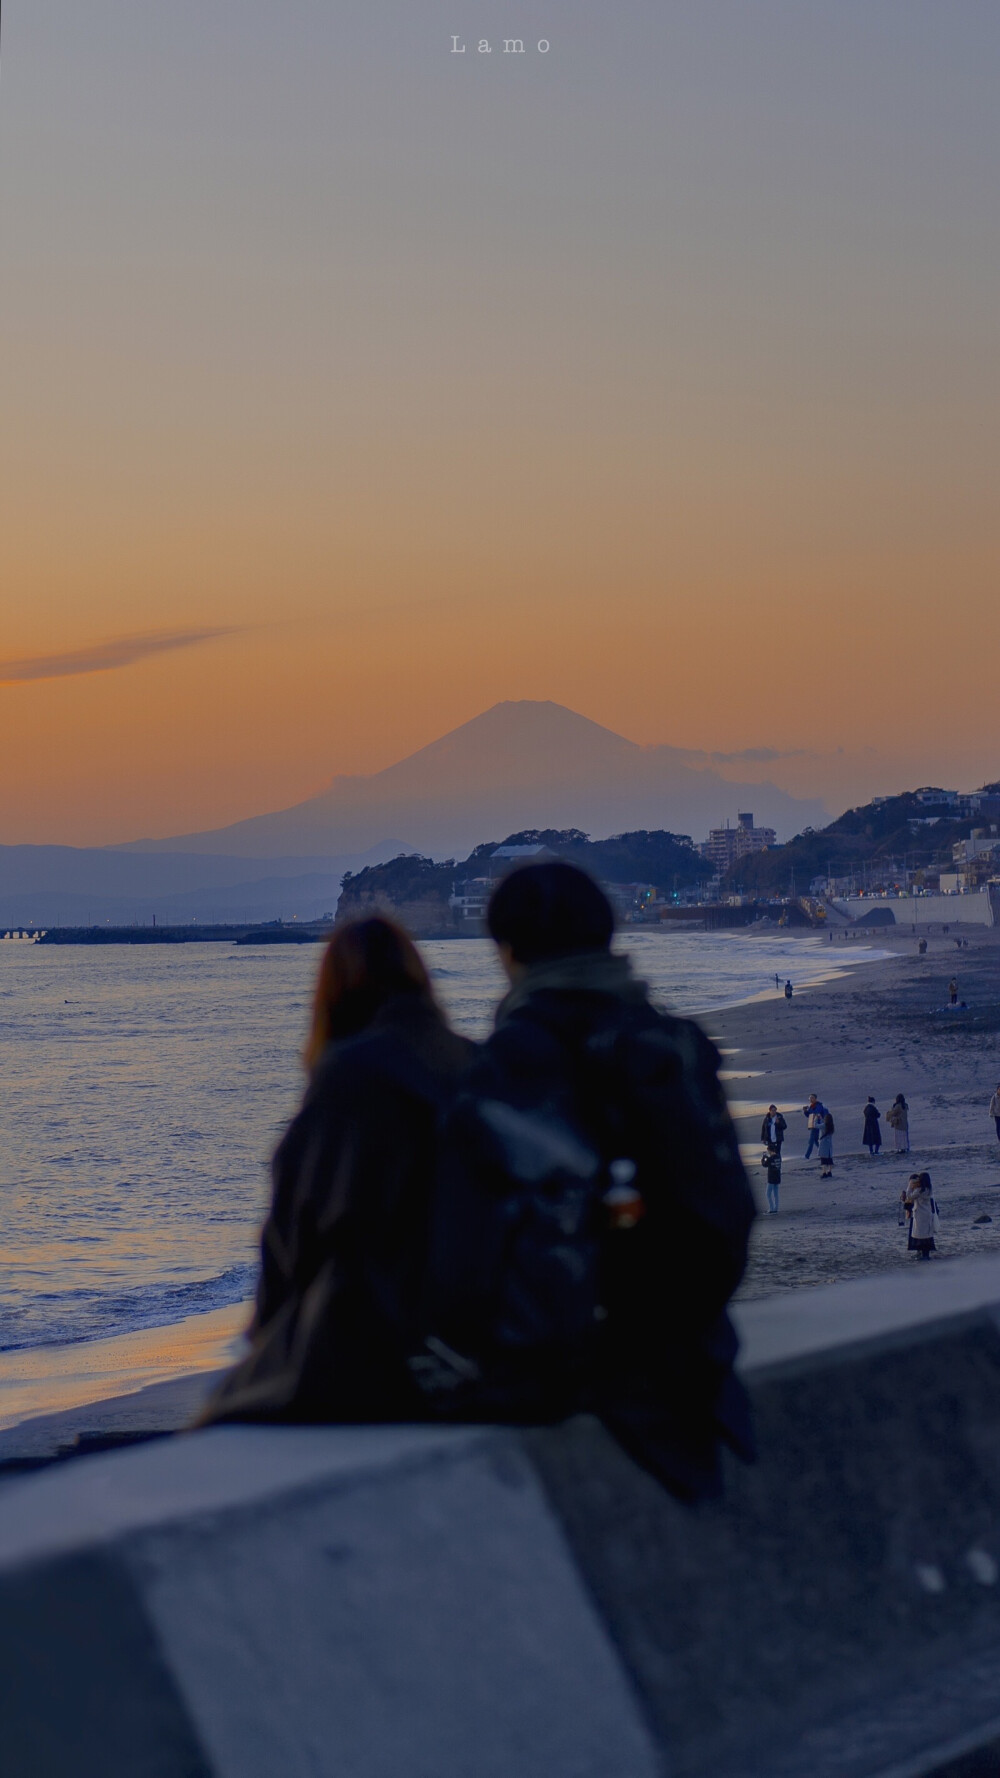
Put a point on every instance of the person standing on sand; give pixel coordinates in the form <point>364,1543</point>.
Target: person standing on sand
<point>872,1134</point>
<point>918,1200</point>
<point>772,1130</point>
<point>814,1113</point>
<point>826,1147</point>
<point>995,1110</point>
<point>788,990</point>
<point>953,992</point>
<point>772,1162</point>
<point>898,1120</point>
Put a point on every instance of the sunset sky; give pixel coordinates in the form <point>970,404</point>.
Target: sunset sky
<point>351,386</point>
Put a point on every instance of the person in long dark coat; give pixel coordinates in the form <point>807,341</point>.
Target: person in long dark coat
<point>872,1133</point>
<point>343,1243</point>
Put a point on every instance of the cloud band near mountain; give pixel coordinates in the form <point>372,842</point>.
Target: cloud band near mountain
<point>104,657</point>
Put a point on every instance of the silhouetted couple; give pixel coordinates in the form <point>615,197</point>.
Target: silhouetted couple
<point>551,1222</point>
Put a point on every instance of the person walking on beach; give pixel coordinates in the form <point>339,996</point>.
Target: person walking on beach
<point>953,992</point>
<point>995,1111</point>
<point>918,1201</point>
<point>872,1133</point>
<point>788,990</point>
<point>772,1130</point>
<point>826,1147</point>
<point>898,1120</point>
<point>341,1248</point>
<point>814,1113</point>
<point>922,947</point>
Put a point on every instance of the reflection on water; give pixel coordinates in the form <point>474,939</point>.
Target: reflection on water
<point>144,1090</point>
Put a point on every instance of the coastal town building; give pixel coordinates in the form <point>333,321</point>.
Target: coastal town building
<point>631,901</point>
<point>470,897</point>
<point>725,846</point>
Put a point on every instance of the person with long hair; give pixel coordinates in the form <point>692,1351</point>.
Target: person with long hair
<point>343,1242</point>
<point>898,1120</point>
<point>918,1201</point>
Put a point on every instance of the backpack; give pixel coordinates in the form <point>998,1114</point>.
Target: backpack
<point>582,1247</point>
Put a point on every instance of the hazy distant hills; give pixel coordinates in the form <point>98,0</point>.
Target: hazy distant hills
<point>518,765</point>
<point>80,886</point>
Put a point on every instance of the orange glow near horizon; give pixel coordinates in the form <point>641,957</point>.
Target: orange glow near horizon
<point>662,384</point>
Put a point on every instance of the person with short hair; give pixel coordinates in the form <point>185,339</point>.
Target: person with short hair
<point>772,1130</point>
<point>772,1166</point>
<point>995,1111</point>
<point>578,1038</point>
<point>871,1135</point>
<point>814,1113</point>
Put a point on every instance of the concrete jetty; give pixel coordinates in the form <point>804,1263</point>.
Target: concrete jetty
<point>406,1602</point>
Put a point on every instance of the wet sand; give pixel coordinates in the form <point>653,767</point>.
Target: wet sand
<point>140,1381</point>
<point>884,1028</point>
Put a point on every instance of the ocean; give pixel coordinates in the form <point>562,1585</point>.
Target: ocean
<point>142,1091</point>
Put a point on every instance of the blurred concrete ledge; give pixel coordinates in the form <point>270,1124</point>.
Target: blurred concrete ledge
<point>401,1602</point>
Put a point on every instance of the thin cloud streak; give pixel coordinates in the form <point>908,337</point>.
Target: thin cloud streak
<point>104,657</point>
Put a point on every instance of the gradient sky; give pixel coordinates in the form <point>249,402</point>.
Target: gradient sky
<point>350,386</point>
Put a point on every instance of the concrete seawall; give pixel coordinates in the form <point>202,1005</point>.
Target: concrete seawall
<point>398,1602</point>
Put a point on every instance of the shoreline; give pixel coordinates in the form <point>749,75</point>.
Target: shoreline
<point>885,1031</point>
<point>86,1381</point>
<point>866,1025</point>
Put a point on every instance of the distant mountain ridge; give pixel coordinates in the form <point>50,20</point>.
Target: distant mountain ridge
<point>87,886</point>
<point>519,764</point>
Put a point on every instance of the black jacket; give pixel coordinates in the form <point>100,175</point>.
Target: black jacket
<point>343,1243</point>
<point>765,1129</point>
<point>668,1389</point>
<point>873,1129</point>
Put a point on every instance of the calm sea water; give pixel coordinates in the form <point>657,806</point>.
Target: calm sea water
<point>142,1090</point>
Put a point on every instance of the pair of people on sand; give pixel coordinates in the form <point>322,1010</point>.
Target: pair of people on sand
<point>898,1119</point>
<point>553,1221</point>
<point>921,1215</point>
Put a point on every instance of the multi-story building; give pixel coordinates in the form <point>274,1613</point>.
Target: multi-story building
<point>725,846</point>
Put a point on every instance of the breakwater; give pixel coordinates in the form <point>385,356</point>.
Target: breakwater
<point>479,1601</point>
<point>270,934</point>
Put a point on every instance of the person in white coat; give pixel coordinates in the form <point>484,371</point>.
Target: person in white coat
<point>918,1199</point>
<point>898,1120</point>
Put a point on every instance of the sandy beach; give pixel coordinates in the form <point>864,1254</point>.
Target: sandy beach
<point>882,1028</point>
<point>150,1380</point>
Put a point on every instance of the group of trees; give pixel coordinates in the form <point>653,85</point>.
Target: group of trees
<point>668,860</point>
<point>857,841</point>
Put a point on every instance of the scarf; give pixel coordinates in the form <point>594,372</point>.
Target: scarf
<point>588,972</point>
